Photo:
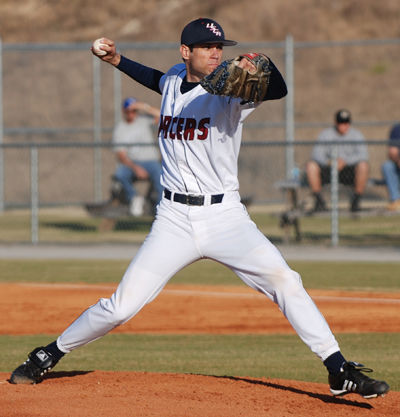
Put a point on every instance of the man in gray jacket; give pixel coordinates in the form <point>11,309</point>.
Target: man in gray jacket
<point>352,160</point>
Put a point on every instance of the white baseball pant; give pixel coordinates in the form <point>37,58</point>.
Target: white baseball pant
<point>182,234</point>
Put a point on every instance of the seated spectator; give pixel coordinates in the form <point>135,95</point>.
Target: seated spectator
<point>137,162</point>
<point>352,161</point>
<point>391,169</point>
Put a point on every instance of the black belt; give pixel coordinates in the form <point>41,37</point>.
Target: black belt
<point>192,200</point>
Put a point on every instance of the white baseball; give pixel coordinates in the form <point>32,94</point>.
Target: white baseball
<point>96,47</point>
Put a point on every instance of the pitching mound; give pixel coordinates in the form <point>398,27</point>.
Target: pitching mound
<point>144,394</point>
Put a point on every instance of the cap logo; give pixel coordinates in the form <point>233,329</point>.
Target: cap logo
<point>213,29</point>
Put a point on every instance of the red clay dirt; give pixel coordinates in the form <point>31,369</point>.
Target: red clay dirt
<point>123,394</point>
<point>187,309</point>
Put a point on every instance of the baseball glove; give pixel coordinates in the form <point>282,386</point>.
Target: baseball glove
<point>228,79</point>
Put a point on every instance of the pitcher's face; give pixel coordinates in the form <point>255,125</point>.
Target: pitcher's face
<point>201,60</point>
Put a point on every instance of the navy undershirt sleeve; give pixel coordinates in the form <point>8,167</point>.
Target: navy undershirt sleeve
<point>149,77</point>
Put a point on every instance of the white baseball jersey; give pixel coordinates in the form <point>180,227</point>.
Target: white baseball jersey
<point>200,136</point>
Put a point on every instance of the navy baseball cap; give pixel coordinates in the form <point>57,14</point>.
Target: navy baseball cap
<point>204,30</point>
<point>128,101</point>
<point>343,116</point>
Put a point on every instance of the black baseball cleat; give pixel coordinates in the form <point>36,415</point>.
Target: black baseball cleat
<point>351,379</point>
<point>39,362</point>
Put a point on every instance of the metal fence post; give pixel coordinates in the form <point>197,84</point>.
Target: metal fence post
<point>2,203</point>
<point>334,197</point>
<point>289,105</point>
<point>97,128</point>
<point>34,195</point>
<point>117,96</point>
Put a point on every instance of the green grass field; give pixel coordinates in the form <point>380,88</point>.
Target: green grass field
<point>319,275</point>
<point>73,224</point>
<point>275,356</point>
<point>272,356</point>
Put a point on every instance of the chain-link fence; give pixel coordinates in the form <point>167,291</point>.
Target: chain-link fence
<point>58,105</point>
<point>56,202</point>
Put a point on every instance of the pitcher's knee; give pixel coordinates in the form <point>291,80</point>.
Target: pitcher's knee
<point>285,280</point>
<point>114,313</point>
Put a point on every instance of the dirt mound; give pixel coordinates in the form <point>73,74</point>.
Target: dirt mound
<point>123,394</point>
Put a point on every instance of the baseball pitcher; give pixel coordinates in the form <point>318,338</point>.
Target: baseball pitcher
<point>204,103</point>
